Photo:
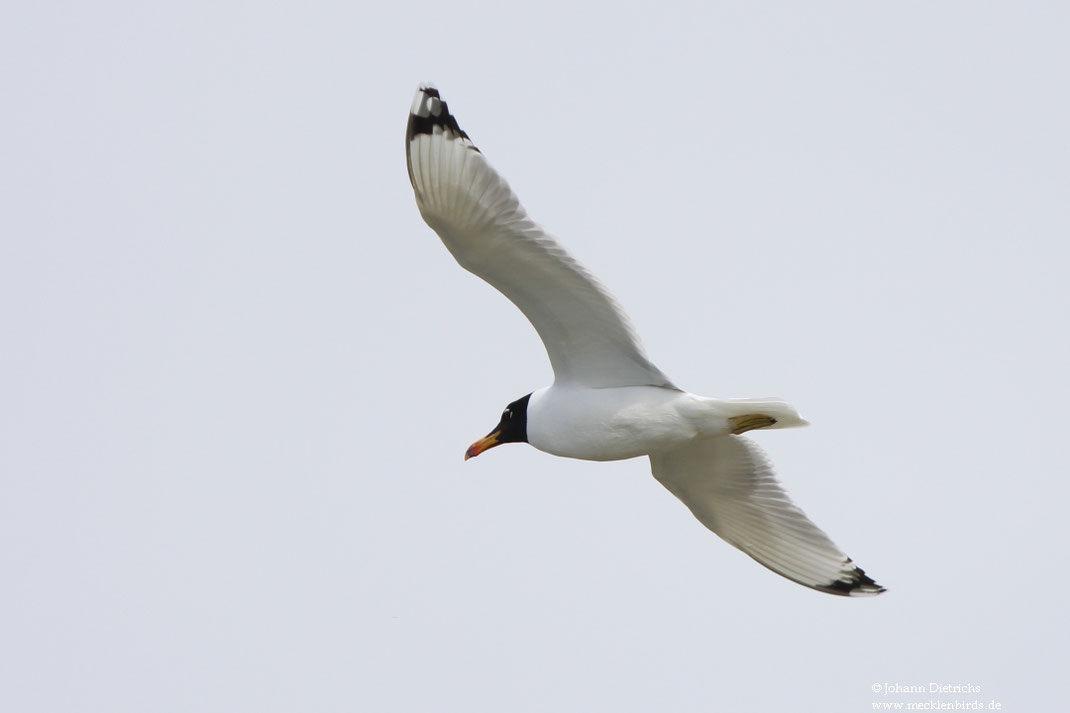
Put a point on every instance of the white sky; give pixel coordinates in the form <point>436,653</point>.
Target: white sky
<point>238,372</point>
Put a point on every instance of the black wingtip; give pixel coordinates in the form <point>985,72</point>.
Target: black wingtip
<point>856,583</point>
<point>430,111</point>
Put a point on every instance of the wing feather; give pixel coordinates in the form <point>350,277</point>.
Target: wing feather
<point>729,485</point>
<point>588,337</point>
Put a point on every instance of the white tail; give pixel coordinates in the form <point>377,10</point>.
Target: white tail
<point>783,414</point>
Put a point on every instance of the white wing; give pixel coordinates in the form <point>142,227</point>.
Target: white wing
<point>588,337</point>
<point>729,485</point>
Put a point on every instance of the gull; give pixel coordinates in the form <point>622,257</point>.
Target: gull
<point>608,401</point>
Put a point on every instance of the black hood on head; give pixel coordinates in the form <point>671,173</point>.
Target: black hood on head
<point>514,423</point>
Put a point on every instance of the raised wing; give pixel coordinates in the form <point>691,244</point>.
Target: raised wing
<point>588,337</point>
<point>729,485</point>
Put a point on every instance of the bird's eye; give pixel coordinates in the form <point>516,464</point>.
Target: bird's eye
<point>506,414</point>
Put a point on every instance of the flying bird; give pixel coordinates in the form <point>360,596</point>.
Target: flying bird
<point>608,401</point>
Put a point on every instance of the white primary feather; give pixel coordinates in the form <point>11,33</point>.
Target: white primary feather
<point>588,337</point>
<point>729,485</point>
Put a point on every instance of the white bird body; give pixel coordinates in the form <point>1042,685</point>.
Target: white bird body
<point>608,400</point>
<point>604,424</point>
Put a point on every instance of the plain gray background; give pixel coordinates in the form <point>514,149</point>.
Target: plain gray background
<point>238,372</point>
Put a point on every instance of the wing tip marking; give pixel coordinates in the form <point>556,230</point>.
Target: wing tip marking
<point>855,582</point>
<point>429,112</point>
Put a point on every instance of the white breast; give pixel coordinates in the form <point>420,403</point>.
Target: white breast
<point>617,423</point>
